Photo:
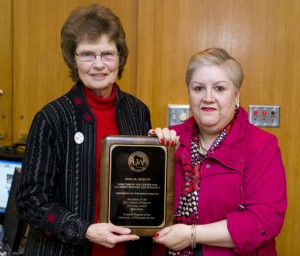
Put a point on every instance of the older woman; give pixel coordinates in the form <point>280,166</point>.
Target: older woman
<point>59,188</point>
<point>230,189</point>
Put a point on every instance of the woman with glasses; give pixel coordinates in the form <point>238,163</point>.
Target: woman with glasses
<point>59,189</point>
<point>230,188</point>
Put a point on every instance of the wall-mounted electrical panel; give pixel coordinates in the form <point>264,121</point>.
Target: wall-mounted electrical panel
<point>177,114</point>
<point>264,116</point>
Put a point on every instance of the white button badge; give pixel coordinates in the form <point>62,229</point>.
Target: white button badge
<point>78,137</point>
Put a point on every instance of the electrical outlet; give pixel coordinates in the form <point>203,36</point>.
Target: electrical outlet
<point>264,116</point>
<point>22,136</point>
<point>177,114</point>
<point>2,135</point>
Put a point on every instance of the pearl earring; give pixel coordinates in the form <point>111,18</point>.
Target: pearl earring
<point>237,103</point>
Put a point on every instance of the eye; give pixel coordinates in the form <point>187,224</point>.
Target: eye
<point>197,88</point>
<point>86,54</point>
<point>219,88</point>
<point>108,54</point>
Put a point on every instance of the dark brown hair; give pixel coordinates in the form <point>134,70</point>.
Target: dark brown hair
<point>88,24</point>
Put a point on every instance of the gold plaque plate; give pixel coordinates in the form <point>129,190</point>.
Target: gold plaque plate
<point>137,183</point>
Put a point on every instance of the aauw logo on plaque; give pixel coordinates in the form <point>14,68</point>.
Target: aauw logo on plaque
<point>138,161</point>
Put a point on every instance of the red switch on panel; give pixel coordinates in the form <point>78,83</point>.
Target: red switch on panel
<point>264,115</point>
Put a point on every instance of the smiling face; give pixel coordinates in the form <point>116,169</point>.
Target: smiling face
<point>212,98</point>
<point>98,75</point>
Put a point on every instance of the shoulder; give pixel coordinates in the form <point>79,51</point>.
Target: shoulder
<point>124,98</point>
<point>256,144</point>
<point>58,107</point>
<point>72,101</point>
<point>185,127</point>
<point>254,134</point>
<point>184,131</point>
<point>55,112</point>
<point>259,138</point>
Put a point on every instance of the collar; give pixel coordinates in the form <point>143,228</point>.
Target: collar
<point>77,96</point>
<point>233,150</point>
<point>96,102</point>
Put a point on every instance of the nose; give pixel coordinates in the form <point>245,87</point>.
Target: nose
<point>208,96</point>
<point>98,62</point>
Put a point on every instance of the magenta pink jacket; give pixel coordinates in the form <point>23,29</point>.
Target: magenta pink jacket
<point>243,182</point>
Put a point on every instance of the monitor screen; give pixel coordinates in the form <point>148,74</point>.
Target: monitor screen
<point>14,226</point>
<point>7,168</point>
<point>8,163</point>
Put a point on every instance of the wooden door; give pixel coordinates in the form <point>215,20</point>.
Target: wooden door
<point>40,74</point>
<point>263,35</point>
<point>161,35</point>
<point>6,101</point>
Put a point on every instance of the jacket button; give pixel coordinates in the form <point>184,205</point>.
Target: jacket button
<point>77,101</point>
<point>184,156</point>
<point>208,166</point>
<point>263,232</point>
<point>87,117</point>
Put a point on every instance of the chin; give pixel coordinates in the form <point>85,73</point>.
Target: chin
<point>208,122</point>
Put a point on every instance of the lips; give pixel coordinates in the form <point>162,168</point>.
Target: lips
<point>208,109</point>
<point>99,75</point>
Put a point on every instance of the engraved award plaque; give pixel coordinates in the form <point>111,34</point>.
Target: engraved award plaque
<point>137,181</point>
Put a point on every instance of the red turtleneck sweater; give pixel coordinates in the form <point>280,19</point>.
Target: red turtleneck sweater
<point>104,110</point>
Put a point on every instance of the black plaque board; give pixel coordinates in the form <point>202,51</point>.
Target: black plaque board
<point>137,183</point>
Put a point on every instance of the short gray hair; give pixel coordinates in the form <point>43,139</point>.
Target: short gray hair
<point>218,57</point>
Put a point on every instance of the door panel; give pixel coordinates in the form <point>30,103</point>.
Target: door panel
<point>6,102</point>
<point>40,74</point>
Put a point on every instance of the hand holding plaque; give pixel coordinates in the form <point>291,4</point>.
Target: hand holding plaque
<point>136,183</point>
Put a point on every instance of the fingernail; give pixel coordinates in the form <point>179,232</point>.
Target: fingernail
<point>162,141</point>
<point>152,131</point>
<point>172,144</point>
<point>156,234</point>
<point>167,143</point>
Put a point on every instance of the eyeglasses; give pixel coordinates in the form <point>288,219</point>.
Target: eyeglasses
<point>87,56</point>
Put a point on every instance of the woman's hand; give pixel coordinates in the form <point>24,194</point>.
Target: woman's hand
<point>108,234</point>
<point>176,237</point>
<point>165,136</point>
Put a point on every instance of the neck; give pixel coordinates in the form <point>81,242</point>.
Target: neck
<point>103,93</point>
<point>206,141</point>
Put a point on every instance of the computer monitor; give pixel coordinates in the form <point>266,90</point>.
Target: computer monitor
<point>14,226</point>
<point>8,163</point>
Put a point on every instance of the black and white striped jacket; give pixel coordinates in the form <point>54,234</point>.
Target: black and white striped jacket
<point>56,192</point>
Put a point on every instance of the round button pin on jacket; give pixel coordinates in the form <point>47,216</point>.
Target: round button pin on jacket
<point>78,137</point>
